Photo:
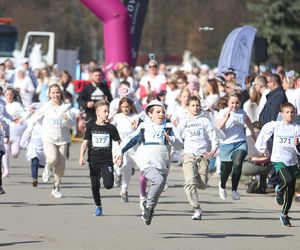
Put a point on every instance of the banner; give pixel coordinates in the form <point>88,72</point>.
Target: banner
<point>236,52</point>
<point>137,10</point>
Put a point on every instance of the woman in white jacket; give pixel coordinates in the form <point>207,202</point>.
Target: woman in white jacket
<point>55,136</point>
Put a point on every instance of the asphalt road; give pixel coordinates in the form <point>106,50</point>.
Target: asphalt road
<point>31,219</point>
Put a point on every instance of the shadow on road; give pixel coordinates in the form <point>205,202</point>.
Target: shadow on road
<point>18,243</point>
<point>220,235</point>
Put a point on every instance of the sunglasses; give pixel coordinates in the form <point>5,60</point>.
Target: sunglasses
<point>152,66</point>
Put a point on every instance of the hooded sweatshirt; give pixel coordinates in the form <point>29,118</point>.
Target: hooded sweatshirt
<point>154,150</point>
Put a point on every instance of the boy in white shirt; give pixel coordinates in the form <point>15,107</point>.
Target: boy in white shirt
<point>283,157</point>
<point>200,144</point>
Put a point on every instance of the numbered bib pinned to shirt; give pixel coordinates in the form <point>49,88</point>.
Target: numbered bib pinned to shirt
<point>101,140</point>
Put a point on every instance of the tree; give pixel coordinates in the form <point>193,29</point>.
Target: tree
<point>278,21</point>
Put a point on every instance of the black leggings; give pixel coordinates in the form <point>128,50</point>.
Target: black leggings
<point>237,164</point>
<point>107,174</point>
<point>287,184</point>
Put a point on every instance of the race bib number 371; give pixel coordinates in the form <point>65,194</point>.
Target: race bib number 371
<point>101,140</point>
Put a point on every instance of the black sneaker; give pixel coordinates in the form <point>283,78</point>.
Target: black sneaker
<point>2,191</point>
<point>285,220</point>
<point>278,196</point>
<point>147,216</point>
<point>124,196</point>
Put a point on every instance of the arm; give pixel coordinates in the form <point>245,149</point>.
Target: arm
<point>212,135</point>
<point>250,126</point>
<point>82,152</point>
<point>174,139</point>
<point>264,135</point>
<point>220,123</point>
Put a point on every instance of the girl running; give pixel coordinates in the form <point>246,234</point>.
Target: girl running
<point>233,146</point>
<point>126,121</point>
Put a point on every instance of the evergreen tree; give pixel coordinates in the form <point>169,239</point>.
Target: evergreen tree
<point>278,21</point>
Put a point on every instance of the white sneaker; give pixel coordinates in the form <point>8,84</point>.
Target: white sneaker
<point>197,215</point>
<point>56,193</point>
<point>235,195</point>
<point>166,187</point>
<point>222,192</point>
<point>46,174</point>
<point>142,200</point>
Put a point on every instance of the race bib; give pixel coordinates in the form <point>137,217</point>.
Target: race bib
<point>101,140</point>
<point>195,134</point>
<point>285,141</point>
<point>55,122</point>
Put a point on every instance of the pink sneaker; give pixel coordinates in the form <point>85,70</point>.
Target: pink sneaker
<point>5,174</point>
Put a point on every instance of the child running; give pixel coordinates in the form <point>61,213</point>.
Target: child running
<point>98,139</point>
<point>283,157</point>
<point>4,136</point>
<point>233,146</point>
<point>153,156</point>
<point>126,121</point>
<point>200,144</point>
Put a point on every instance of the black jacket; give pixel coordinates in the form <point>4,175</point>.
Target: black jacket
<point>272,107</point>
<point>86,95</point>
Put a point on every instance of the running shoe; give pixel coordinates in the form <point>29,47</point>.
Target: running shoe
<point>166,187</point>
<point>285,220</point>
<point>34,183</point>
<point>278,196</point>
<point>2,191</point>
<point>56,193</point>
<point>222,192</point>
<point>197,214</point>
<point>98,211</point>
<point>143,202</point>
<point>124,196</point>
<point>147,216</point>
<point>46,174</point>
<point>235,195</point>
<point>118,180</point>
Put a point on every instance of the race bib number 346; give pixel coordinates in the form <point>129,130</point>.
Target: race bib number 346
<point>101,140</point>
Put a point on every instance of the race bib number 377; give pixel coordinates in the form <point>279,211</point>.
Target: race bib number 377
<point>101,140</point>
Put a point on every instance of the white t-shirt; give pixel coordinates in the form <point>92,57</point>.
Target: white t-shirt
<point>234,129</point>
<point>124,123</point>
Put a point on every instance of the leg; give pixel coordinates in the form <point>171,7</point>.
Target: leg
<point>59,169</point>
<point>107,173</point>
<point>5,159</point>
<point>95,175</point>
<point>158,181</point>
<point>34,168</point>
<point>191,179</point>
<point>143,185</point>
<point>15,149</point>
<point>238,158</point>
<point>203,167</point>
<point>51,155</point>
<point>226,167</point>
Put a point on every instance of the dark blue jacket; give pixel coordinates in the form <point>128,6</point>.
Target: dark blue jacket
<point>272,107</point>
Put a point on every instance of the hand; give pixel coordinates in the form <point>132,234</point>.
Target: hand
<point>134,124</point>
<point>167,137</point>
<point>90,104</point>
<point>209,155</point>
<point>81,162</point>
<point>118,160</point>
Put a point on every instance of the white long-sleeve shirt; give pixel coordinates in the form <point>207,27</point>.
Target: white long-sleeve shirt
<point>56,129</point>
<point>284,149</point>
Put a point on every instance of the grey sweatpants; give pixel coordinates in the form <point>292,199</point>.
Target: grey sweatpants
<point>157,183</point>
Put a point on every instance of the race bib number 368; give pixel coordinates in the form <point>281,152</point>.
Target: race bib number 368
<point>101,140</point>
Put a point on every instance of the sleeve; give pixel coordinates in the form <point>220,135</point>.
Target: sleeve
<point>264,135</point>
<point>175,139</point>
<point>87,134</point>
<point>115,134</point>
<point>212,135</point>
<point>83,98</point>
<point>130,141</point>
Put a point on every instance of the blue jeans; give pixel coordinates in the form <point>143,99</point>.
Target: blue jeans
<point>35,167</point>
